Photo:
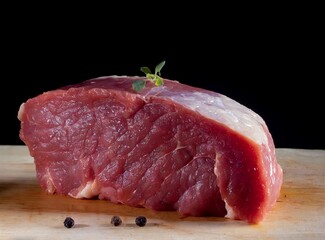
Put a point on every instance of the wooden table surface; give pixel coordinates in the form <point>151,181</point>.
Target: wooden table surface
<point>28,213</point>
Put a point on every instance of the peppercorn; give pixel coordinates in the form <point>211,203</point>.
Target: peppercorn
<point>68,222</point>
<point>116,221</point>
<point>141,221</point>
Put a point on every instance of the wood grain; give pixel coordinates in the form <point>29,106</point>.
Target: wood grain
<point>28,213</point>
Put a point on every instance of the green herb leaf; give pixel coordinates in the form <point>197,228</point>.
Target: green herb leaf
<point>159,67</point>
<point>159,81</point>
<point>145,70</point>
<point>151,76</point>
<point>138,85</point>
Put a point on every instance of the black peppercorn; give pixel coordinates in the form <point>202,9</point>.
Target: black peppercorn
<point>141,221</point>
<point>68,222</point>
<point>116,221</point>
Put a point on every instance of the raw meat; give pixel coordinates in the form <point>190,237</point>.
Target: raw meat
<point>173,147</point>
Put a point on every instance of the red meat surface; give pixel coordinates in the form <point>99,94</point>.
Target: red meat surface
<point>173,147</point>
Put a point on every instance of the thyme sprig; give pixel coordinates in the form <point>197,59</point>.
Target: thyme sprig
<point>155,78</point>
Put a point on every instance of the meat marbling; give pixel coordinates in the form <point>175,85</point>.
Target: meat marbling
<point>173,147</point>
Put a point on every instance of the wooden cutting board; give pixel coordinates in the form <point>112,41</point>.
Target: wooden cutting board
<point>28,213</point>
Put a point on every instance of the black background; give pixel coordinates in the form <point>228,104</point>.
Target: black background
<point>271,61</point>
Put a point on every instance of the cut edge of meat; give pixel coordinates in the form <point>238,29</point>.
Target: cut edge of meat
<point>268,193</point>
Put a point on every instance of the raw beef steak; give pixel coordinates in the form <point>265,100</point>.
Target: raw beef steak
<point>173,147</point>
